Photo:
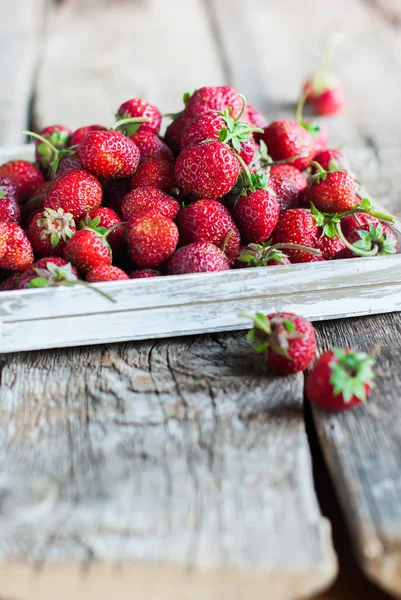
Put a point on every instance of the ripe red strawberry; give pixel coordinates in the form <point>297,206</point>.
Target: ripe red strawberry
<point>155,173</point>
<point>216,126</point>
<point>151,146</point>
<point>152,239</point>
<point>87,249</point>
<point>144,274</point>
<point>214,98</point>
<point>331,247</point>
<point>322,140</point>
<point>368,234</point>
<point>200,257</point>
<point>11,283</point>
<point>109,154</point>
<point>331,191</point>
<point>58,136</point>
<point>174,131</point>
<point>108,218</point>
<point>297,226</point>
<point>136,107</point>
<point>18,254</point>
<point>330,159</point>
<point>209,170</point>
<point>285,139</point>
<point>256,215</point>
<point>49,231</point>
<point>287,183</point>
<point>68,163</point>
<point>287,341</point>
<point>260,255</point>
<point>9,207</point>
<point>148,199</point>
<point>76,192</point>
<point>209,221</point>
<point>105,273</point>
<point>26,177</point>
<point>340,378</point>
<point>325,94</point>
<point>46,269</point>
<point>80,134</point>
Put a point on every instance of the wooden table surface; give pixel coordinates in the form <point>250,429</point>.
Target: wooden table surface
<point>180,468</point>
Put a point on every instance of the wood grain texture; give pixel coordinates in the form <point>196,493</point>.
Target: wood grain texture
<point>21,31</point>
<point>183,462</point>
<point>363,450</point>
<point>104,53</point>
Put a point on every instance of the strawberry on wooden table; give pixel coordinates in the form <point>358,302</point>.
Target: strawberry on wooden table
<point>340,379</point>
<point>149,199</point>
<point>287,341</point>
<point>199,257</point>
<point>16,253</point>
<point>208,170</point>
<point>152,239</point>
<point>209,221</point>
<point>105,273</point>
<point>77,192</point>
<point>26,177</point>
<point>49,230</point>
<point>155,173</point>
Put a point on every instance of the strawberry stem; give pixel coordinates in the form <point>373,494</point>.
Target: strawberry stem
<point>300,107</point>
<point>242,109</point>
<point>314,251</point>
<point>95,289</point>
<point>284,161</point>
<point>114,227</point>
<point>127,121</point>
<point>41,139</point>
<point>351,247</point>
<point>244,169</point>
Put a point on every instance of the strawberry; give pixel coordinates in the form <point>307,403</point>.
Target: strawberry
<point>18,253</point>
<point>9,207</point>
<point>151,146</point>
<point>70,162</point>
<point>26,177</point>
<point>209,221</point>
<point>208,170</point>
<point>331,101</point>
<point>80,134</point>
<point>331,247</point>
<point>221,127</point>
<point>49,231</point>
<point>155,173</point>
<point>219,99</point>
<point>255,118</point>
<point>47,272</point>
<point>331,191</point>
<point>321,140</point>
<point>256,214</point>
<point>108,219</point>
<point>105,273</point>
<point>11,283</point>
<point>87,249</point>
<point>330,159</point>
<point>76,192</point>
<point>367,235</point>
<point>144,274</point>
<point>58,136</point>
<point>109,154</point>
<point>136,107</point>
<point>174,131</point>
<point>297,226</point>
<point>285,139</point>
<point>199,257</point>
<point>287,341</point>
<point>148,199</point>
<point>260,255</point>
<point>152,239</point>
<point>340,378</point>
<point>287,183</point>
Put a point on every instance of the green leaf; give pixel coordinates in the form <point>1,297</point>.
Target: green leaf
<point>261,347</point>
<point>289,326</point>
<point>236,144</point>
<point>223,134</point>
<point>186,96</point>
<point>38,282</point>
<point>366,204</point>
<point>54,239</point>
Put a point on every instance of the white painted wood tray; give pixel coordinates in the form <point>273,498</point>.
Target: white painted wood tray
<point>199,303</point>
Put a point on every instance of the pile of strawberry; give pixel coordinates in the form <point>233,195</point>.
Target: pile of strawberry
<point>223,189</point>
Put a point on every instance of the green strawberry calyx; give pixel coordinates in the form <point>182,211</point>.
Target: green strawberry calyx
<point>351,371</point>
<point>56,224</point>
<point>275,334</point>
<point>236,131</point>
<point>261,255</point>
<point>56,276</point>
<point>321,174</point>
<point>50,153</point>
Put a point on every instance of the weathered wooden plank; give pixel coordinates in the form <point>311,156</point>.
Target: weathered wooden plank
<point>163,457</point>
<point>21,31</point>
<point>110,52</point>
<point>363,449</point>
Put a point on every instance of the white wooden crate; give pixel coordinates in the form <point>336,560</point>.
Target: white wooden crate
<point>199,303</point>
